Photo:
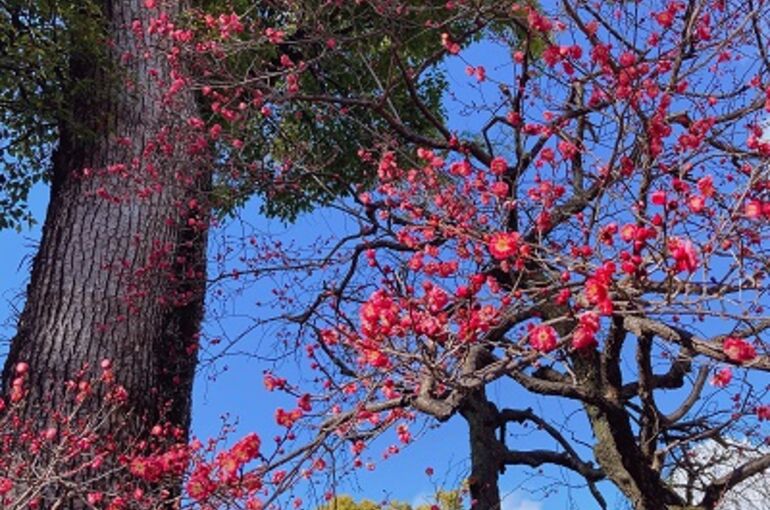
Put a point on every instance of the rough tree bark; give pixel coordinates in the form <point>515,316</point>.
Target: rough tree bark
<point>117,276</point>
<point>486,451</point>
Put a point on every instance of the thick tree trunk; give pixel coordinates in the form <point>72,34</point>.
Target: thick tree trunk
<point>486,456</point>
<point>119,272</point>
<point>615,448</point>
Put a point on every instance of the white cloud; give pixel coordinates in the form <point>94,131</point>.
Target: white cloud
<point>511,501</point>
<point>515,501</point>
<point>423,498</point>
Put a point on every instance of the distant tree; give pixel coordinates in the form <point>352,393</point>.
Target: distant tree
<point>348,503</point>
<point>35,89</point>
<point>445,500</point>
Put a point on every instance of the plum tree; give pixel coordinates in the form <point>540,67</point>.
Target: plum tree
<point>596,234</point>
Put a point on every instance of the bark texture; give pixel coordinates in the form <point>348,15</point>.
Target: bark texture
<point>486,451</point>
<point>119,276</point>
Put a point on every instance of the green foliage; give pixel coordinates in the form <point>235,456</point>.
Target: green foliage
<point>348,503</point>
<point>515,28</point>
<point>37,38</point>
<point>308,149</point>
<point>307,152</point>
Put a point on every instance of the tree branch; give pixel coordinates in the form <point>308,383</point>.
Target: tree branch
<point>718,487</point>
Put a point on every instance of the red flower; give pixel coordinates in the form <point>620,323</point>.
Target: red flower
<point>722,378</point>
<point>595,291</point>
<point>753,209</point>
<point>543,338</point>
<point>449,45</point>
<point>503,245</point>
<point>696,203</point>
<point>498,165</point>
<point>499,189</point>
<point>658,197</point>
<point>685,256</point>
<point>5,486</point>
<point>247,448</point>
<point>706,186</point>
<point>200,486</point>
<point>589,321</point>
<point>583,338</point>
<point>738,350</point>
<point>665,19</point>
<point>287,419</point>
<point>627,59</point>
<point>628,232</point>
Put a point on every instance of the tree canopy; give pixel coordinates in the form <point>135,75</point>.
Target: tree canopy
<point>38,39</point>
